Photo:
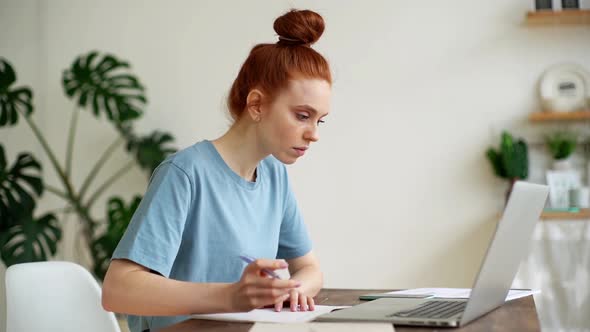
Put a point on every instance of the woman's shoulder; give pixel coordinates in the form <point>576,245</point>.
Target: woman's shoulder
<point>193,157</point>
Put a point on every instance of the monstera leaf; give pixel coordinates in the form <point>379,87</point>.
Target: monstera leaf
<point>18,185</point>
<point>12,100</point>
<point>119,217</point>
<point>29,239</point>
<point>105,86</point>
<point>150,150</point>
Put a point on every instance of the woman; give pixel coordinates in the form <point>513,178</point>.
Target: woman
<point>216,200</point>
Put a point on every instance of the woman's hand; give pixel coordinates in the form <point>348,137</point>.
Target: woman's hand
<point>297,298</point>
<point>255,289</point>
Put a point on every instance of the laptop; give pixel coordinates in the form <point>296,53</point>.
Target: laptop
<point>508,247</point>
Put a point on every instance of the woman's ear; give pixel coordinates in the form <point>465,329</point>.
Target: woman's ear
<point>253,104</point>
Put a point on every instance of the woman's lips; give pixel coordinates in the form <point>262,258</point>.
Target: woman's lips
<point>300,151</point>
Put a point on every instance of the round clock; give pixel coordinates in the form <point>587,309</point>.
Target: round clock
<point>565,88</point>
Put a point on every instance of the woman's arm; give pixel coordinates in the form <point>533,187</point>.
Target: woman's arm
<point>132,289</point>
<point>307,270</point>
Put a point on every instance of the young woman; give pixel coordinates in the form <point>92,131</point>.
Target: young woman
<point>216,200</point>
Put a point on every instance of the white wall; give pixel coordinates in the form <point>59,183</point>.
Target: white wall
<point>398,181</point>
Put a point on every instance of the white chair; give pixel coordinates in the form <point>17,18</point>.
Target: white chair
<point>55,296</point>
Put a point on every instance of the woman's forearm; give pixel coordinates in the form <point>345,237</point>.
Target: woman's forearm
<point>139,292</point>
<point>312,279</point>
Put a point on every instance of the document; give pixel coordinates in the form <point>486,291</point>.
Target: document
<point>270,315</point>
<point>460,293</point>
<point>323,327</point>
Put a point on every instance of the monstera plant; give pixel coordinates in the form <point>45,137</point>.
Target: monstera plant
<point>103,85</point>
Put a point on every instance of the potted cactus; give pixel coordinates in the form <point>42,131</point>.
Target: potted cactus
<point>510,161</point>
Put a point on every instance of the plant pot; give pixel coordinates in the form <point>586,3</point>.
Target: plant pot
<point>562,164</point>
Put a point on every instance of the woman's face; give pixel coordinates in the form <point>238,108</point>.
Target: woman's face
<point>290,123</point>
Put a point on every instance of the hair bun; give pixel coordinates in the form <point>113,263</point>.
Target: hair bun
<point>299,27</point>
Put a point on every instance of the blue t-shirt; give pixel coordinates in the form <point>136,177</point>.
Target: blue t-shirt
<point>198,216</point>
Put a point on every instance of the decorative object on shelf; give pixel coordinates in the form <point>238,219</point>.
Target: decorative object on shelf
<point>565,88</point>
<point>560,183</point>
<point>561,145</point>
<point>97,83</point>
<point>543,4</point>
<point>510,161</point>
<point>570,4</point>
<point>579,197</point>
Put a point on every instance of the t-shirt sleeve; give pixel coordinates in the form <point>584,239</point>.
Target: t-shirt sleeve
<point>155,232</point>
<point>294,239</point>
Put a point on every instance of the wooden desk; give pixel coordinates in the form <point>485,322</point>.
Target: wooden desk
<point>517,315</point>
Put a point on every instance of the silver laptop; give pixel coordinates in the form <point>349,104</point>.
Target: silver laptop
<point>507,248</point>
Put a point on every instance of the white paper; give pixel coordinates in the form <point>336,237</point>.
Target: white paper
<point>323,327</point>
<point>461,293</point>
<point>270,315</point>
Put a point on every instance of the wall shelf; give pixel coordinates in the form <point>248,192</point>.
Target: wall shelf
<point>559,116</point>
<point>553,216</point>
<point>565,17</point>
<point>549,18</point>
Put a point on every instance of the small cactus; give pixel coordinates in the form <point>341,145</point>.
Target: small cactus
<point>511,161</point>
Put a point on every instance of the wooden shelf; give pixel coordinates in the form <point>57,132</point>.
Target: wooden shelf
<point>565,17</point>
<point>559,116</point>
<point>583,214</point>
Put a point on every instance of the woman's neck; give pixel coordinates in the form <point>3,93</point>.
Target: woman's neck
<point>240,149</point>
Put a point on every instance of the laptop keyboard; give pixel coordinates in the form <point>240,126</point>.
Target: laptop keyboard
<point>433,309</point>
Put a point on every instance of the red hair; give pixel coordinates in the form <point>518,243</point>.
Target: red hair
<point>269,67</point>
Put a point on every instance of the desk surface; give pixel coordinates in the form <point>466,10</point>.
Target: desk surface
<point>516,315</point>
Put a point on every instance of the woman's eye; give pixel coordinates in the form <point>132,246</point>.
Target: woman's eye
<point>301,116</point>
<point>320,121</point>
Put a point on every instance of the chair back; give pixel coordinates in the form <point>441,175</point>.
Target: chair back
<point>55,296</point>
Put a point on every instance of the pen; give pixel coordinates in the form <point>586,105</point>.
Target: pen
<point>250,260</point>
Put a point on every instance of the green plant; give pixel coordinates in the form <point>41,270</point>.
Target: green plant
<point>561,144</point>
<point>511,160</point>
<point>119,217</point>
<point>103,85</point>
